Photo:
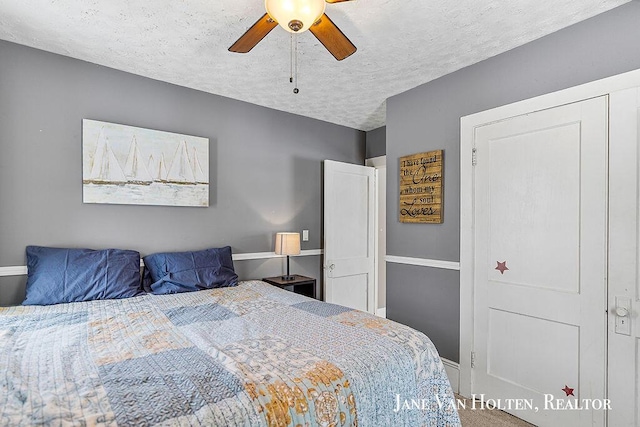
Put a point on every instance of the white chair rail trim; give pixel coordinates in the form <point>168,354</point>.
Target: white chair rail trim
<point>21,270</point>
<point>423,262</point>
<point>18,270</point>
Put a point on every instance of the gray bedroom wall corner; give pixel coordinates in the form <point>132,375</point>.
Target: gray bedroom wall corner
<point>376,142</point>
<point>428,118</point>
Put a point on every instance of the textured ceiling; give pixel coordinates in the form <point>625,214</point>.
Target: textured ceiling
<point>401,44</point>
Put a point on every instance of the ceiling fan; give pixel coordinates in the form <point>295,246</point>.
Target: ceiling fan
<point>297,16</point>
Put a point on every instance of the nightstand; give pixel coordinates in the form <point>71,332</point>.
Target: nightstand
<point>300,284</point>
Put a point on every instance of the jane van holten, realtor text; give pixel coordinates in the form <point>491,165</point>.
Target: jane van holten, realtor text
<point>480,402</point>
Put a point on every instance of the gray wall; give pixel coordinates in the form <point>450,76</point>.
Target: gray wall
<point>376,142</point>
<point>266,165</point>
<point>428,118</point>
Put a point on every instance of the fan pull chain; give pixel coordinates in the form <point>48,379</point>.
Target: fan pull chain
<point>293,69</point>
<point>291,59</point>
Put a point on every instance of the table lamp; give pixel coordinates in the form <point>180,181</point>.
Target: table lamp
<point>288,244</point>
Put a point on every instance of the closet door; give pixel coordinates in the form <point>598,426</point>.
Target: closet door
<point>540,261</point>
<point>624,237</point>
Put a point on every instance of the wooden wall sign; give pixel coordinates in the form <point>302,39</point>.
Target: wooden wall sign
<point>422,188</point>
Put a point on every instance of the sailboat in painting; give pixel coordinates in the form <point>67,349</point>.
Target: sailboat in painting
<point>158,170</point>
<point>198,173</point>
<point>181,171</point>
<point>105,168</point>
<point>134,169</point>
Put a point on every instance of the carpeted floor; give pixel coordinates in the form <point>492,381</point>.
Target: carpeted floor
<point>487,418</point>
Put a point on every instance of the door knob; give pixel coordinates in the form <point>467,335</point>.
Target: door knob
<point>331,267</point>
<point>622,311</point>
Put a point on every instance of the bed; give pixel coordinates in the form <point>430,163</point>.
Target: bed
<point>245,355</point>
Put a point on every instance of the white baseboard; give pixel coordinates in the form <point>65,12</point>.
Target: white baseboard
<point>453,372</point>
<point>381,312</point>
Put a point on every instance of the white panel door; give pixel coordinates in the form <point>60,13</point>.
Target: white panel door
<point>540,257</point>
<point>624,237</point>
<point>349,203</point>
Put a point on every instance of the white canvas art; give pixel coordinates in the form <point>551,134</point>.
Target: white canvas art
<point>135,166</point>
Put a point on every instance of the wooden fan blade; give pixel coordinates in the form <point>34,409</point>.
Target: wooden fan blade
<point>252,37</point>
<point>332,38</point>
<point>336,1</point>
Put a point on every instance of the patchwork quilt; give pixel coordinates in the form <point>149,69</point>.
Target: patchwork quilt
<point>251,355</point>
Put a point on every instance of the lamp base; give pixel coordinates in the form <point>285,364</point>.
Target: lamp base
<point>288,276</point>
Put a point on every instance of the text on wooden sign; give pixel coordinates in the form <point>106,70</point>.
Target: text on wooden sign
<point>422,187</point>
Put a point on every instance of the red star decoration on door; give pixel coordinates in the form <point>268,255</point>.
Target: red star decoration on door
<point>568,390</point>
<point>502,266</point>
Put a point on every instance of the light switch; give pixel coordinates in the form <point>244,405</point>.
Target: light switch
<point>305,235</point>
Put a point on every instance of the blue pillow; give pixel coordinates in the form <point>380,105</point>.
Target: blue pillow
<point>57,275</point>
<point>174,272</point>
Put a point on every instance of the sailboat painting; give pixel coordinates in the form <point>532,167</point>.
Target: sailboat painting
<point>135,166</point>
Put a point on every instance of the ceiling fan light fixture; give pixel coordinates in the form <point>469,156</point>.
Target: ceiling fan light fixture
<point>295,16</point>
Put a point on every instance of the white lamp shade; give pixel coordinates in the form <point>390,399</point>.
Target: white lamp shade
<point>287,243</point>
<point>305,11</point>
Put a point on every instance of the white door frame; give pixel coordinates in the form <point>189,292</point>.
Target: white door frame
<point>468,124</point>
<point>377,163</point>
<point>624,211</point>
